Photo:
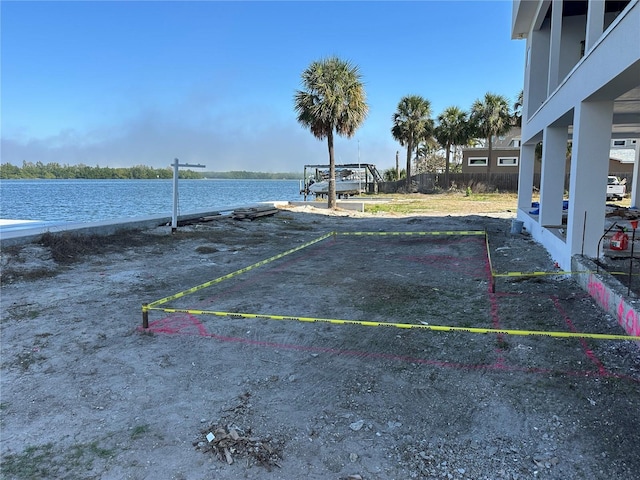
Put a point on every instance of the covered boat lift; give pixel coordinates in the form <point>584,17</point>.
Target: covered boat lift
<point>351,179</point>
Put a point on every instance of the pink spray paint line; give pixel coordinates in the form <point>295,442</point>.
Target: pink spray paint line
<point>587,351</point>
<point>190,325</point>
<point>186,324</point>
<point>495,318</point>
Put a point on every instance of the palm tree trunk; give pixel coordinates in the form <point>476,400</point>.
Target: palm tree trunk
<point>446,167</point>
<point>409,153</point>
<point>331,193</point>
<point>489,163</point>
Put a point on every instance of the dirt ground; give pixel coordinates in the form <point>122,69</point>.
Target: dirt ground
<point>87,393</point>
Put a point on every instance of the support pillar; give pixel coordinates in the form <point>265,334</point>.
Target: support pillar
<point>555,46</point>
<point>537,73</point>
<point>589,168</point>
<point>525,179</point>
<point>554,152</point>
<point>635,188</point>
<point>595,23</point>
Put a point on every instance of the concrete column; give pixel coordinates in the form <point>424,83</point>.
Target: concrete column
<point>589,168</point>
<point>595,23</point>
<point>525,179</point>
<point>555,46</point>
<point>635,188</point>
<point>554,151</point>
<point>536,76</point>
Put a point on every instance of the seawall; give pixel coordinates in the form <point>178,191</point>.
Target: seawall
<point>27,232</point>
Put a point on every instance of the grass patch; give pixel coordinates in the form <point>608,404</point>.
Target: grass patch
<point>10,275</point>
<point>46,461</point>
<point>32,463</point>
<point>445,203</point>
<point>139,430</point>
<point>67,248</point>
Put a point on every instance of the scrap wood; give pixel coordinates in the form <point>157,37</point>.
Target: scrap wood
<point>209,218</point>
<point>228,442</point>
<point>253,212</point>
<point>194,221</point>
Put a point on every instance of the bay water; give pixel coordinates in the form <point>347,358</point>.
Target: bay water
<point>98,200</point>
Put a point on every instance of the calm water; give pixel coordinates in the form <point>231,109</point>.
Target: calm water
<point>96,200</point>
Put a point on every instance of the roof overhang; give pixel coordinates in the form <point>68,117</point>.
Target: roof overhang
<point>523,17</point>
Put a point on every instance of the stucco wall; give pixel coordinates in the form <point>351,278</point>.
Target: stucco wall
<point>609,293</point>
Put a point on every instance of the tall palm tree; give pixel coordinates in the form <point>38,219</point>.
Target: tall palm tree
<point>452,129</point>
<point>412,124</point>
<point>491,117</point>
<point>517,109</point>
<point>332,100</point>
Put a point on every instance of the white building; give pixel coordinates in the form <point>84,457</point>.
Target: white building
<point>581,83</point>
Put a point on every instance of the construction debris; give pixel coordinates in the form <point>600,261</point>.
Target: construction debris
<point>197,220</point>
<point>612,210</point>
<point>252,213</point>
<point>231,442</point>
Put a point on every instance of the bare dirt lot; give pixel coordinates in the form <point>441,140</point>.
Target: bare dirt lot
<point>86,393</point>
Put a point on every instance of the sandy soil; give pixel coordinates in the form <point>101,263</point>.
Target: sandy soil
<point>86,393</point>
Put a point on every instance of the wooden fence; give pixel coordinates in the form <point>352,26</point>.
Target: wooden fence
<point>501,182</point>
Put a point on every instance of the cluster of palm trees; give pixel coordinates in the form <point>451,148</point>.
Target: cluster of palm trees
<point>414,128</point>
<point>333,100</point>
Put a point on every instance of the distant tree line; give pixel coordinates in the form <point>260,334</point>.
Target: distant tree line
<point>81,171</point>
<point>243,175</point>
<point>56,171</point>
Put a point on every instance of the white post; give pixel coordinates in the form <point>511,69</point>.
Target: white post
<point>595,24</point>
<point>589,168</point>
<point>555,47</point>
<point>359,171</point>
<point>554,160</point>
<point>174,217</point>
<point>635,178</point>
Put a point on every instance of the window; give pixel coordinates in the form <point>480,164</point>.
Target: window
<point>618,143</point>
<point>477,161</point>
<point>515,142</point>
<point>507,161</point>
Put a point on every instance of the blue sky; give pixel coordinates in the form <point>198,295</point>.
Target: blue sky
<point>141,83</point>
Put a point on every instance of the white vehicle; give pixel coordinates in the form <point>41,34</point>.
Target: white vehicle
<point>616,190</point>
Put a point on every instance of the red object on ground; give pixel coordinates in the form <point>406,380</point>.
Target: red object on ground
<point>620,241</point>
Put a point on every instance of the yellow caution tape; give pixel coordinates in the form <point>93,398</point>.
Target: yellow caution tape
<point>288,252</point>
<point>554,272</point>
<point>439,328</point>
<point>448,232</point>
<point>154,305</point>
<point>237,272</point>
